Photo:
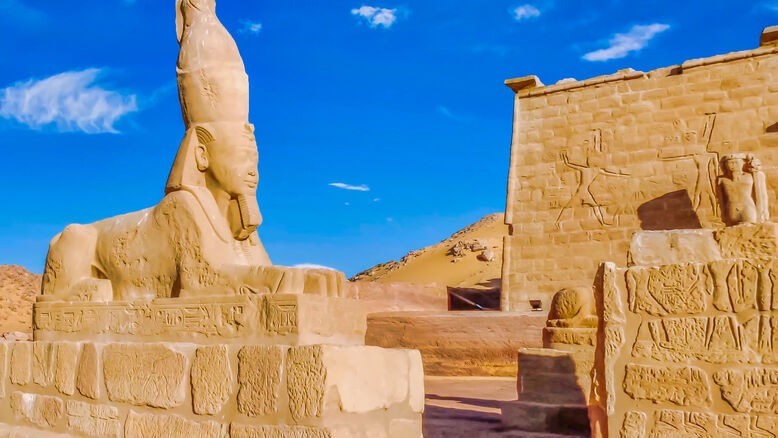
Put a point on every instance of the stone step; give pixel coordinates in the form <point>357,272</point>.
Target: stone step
<point>545,417</point>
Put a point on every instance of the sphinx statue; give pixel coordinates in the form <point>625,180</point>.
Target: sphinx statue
<point>201,239</point>
<point>742,190</point>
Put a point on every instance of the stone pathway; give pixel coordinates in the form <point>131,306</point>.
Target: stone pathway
<point>470,407</point>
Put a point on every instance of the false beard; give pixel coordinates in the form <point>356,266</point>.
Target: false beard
<point>244,216</point>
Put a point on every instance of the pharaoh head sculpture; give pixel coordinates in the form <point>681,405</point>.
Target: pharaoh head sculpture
<point>218,151</point>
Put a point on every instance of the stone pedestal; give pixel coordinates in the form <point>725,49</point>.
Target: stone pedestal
<point>553,387</point>
<point>261,366</point>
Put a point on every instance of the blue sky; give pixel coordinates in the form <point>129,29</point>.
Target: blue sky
<point>401,103</point>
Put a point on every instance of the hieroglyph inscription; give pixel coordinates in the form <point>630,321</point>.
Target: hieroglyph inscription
<point>676,423</point>
<point>634,425</point>
<point>223,316</point>
<point>717,339</point>
<point>684,386</point>
<point>667,290</point>
<point>750,390</point>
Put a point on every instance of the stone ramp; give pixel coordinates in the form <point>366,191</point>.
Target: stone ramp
<point>464,343</point>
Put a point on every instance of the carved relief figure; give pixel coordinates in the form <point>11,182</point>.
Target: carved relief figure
<point>742,190</point>
<point>201,238</point>
<point>697,149</point>
<point>593,166</point>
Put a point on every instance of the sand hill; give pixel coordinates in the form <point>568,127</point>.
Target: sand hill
<point>18,288</point>
<point>470,258</point>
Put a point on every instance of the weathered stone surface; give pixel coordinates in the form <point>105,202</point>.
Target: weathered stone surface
<point>252,431</point>
<point>654,248</point>
<point>89,373</point>
<point>21,363</point>
<point>305,381</point>
<point>43,354</point>
<point>93,420</point>
<point>212,379</point>
<point>259,377</point>
<point>66,367</point>
<point>141,425</point>
<point>405,428</point>
<point>149,374</point>
<point>362,379</point>
<point>40,410</point>
<point>4,359</point>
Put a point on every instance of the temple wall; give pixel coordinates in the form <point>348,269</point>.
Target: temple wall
<point>185,389</point>
<point>594,161</point>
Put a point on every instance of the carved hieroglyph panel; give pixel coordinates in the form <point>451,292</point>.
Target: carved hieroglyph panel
<point>693,354</point>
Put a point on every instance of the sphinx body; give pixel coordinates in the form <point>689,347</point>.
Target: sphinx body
<point>201,238</point>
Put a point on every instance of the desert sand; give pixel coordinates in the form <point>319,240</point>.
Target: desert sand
<point>470,258</point>
<point>18,288</point>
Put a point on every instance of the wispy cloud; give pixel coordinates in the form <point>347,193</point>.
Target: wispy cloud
<point>446,111</point>
<point>525,12</point>
<point>16,12</point>
<point>771,6</point>
<point>250,27</point>
<point>621,44</point>
<point>344,186</point>
<point>70,101</point>
<point>313,266</point>
<point>376,16</point>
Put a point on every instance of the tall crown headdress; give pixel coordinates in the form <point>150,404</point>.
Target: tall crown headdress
<point>212,83</point>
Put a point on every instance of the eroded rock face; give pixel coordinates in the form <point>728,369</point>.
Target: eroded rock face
<point>212,379</point>
<point>259,375</point>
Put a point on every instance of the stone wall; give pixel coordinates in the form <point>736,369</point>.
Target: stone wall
<point>185,390</point>
<point>593,161</point>
<point>690,348</point>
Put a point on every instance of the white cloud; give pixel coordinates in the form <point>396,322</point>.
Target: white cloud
<point>525,12</point>
<point>376,199</point>
<point>313,266</point>
<point>375,16</point>
<point>252,27</point>
<point>771,6</point>
<point>71,101</point>
<point>344,186</point>
<point>623,43</point>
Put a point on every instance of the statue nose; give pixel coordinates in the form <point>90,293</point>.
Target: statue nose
<point>253,173</point>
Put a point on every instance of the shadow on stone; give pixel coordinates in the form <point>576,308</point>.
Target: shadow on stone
<point>671,211</point>
<point>485,296</point>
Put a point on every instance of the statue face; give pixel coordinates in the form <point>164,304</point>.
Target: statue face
<point>733,165</point>
<point>233,160</point>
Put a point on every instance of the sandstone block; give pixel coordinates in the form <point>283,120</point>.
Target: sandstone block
<point>653,248</point>
<point>251,431</point>
<point>259,375</point>
<point>362,379</point>
<point>21,363</point>
<point>66,367</point>
<point>748,240</point>
<point>40,410</point>
<point>43,363</point>
<point>149,374</point>
<point>88,377</point>
<point>4,357</point>
<point>405,428</point>
<point>543,417</point>
<point>152,425</point>
<point>93,420</point>
<point>212,379</point>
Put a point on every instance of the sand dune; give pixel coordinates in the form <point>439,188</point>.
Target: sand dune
<point>470,258</point>
<point>18,288</point>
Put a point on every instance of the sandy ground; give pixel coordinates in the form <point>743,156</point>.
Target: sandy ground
<point>452,262</point>
<point>18,288</point>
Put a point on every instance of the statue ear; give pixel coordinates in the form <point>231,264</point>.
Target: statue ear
<point>204,138</point>
<point>201,157</point>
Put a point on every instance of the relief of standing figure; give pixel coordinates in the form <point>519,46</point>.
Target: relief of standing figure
<point>742,190</point>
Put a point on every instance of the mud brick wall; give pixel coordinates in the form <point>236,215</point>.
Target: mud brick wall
<point>181,389</point>
<point>593,161</point>
<point>687,349</point>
